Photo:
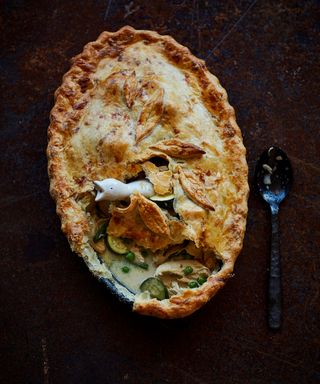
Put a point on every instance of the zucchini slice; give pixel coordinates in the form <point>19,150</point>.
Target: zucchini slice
<point>165,201</point>
<point>157,198</point>
<point>155,287</point>
<point>117,245</point>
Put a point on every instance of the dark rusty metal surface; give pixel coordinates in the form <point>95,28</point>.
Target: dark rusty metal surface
<point>58,324</point>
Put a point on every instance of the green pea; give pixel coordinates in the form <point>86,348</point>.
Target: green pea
<point>125,269</point>
<point>193,284</point>
<point>187,270</point>
<point>202,279</point>
<point>130,256</point>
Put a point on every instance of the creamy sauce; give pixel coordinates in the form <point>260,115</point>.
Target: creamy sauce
<point>135,276</point>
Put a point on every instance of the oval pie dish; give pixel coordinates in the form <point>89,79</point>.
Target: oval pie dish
<point>138,110</point>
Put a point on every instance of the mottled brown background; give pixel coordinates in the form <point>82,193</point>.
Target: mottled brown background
<point>58,324</point>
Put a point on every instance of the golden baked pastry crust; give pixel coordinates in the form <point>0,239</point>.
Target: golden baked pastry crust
<point>78,154</point>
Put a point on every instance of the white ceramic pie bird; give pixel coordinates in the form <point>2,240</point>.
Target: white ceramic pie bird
<point>112,189</point>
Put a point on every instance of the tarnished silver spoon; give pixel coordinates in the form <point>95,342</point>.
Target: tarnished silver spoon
<point>273,178</point>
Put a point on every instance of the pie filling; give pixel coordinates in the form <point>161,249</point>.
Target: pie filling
<point>141,236</point>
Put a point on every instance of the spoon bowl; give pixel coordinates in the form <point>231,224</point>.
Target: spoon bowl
<point>273,179</point>
<point>273,176</point>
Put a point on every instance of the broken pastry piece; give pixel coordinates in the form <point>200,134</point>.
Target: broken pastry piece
<point>161,179</point>
<point>148,171</point>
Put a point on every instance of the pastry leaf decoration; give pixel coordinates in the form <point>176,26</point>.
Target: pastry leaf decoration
<point>153,217</point>
<point>150,115</point>
<point>130,89</point>
<point>194,189</point>
<point>179,149</point>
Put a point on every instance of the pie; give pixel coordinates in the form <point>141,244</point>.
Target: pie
<point>138,112</point>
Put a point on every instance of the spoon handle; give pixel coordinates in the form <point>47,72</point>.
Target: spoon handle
<point>274,289</point>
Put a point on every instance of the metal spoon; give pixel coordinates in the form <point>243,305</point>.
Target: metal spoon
<point>273,178</point>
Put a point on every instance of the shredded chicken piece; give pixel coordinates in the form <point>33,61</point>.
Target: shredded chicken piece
<point>175,271</point>
<point>175,249</point>
<point>137,252</point>
<point>161,256</point>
